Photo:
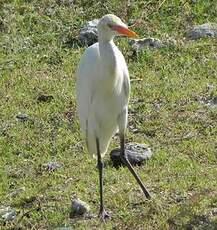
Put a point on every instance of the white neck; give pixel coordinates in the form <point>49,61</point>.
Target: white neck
<point>108,63</point>
<point>105,35</point>
<point>108,56</point>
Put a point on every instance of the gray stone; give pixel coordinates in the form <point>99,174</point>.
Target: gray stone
<point>51,166</point>
<point>7,213</point>
<point>200,31</point>
<point>22,117</point>
<point>151,42</point>
<point>78,207</point>
<point>212,101</point>
<point>136,153</point>
<point>88,33</point>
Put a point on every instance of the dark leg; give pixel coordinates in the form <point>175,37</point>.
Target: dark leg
<point>102,212</point>
<point>126,161</point>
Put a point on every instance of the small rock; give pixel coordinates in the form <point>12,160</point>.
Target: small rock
<point>78,207</point>
<point>150,42</point>
<point>200,31</point>
<point>51,166</point>
<point>212,101</point>
<point>136,153</point>
<point>88,33</point>
<point>7,213</point>
<point>22,117</point>
<point>44,98</point>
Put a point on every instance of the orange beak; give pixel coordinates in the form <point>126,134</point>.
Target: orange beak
<point>124,31</point>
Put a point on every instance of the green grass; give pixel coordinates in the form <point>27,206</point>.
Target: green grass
<point>37,56</point>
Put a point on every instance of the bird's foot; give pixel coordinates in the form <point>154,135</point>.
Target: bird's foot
<point>146,193</point>
<point>103,215</point>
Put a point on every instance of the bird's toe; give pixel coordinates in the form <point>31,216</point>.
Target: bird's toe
<point>103,215</point>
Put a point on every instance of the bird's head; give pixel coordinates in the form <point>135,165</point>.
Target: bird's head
<point>111,25</point>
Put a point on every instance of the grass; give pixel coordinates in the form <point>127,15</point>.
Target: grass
<point>37,56</point>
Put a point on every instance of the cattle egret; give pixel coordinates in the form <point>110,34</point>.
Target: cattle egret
<point>103,87</point>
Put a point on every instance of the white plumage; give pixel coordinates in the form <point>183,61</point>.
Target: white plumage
<point>103,96</point>
<point>102,88</point>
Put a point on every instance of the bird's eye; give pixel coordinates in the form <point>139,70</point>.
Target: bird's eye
<point>109,25</point>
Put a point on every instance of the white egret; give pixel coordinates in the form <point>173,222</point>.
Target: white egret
<point>103,87</point>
